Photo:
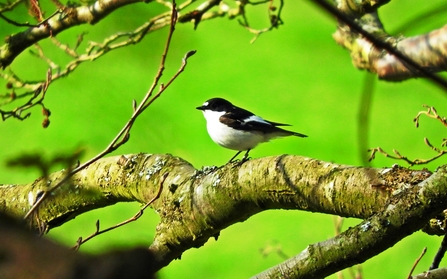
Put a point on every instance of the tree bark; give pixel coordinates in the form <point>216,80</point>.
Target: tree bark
<point>195,205</point>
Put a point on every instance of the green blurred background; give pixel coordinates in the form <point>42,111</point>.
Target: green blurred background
<point>295,74</point>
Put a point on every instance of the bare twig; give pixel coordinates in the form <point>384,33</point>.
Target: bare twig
<point>369,84</point>
<point>440,254</point>
<point>123,136</point>
<point>275,19</point>
<point>198,13</point>
<point>10,21</point>
<point>9,6</point>
<point>98,231</point>
<point>42,56</point>
<point>398,156</point>
<point>93,51</point>
<point>432,113</point>
<point>37,98</point>
<point>417,261</point>
<point>66,48</point>
<point>96,50</point>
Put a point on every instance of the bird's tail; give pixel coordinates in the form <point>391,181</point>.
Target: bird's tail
<point>299,135</point>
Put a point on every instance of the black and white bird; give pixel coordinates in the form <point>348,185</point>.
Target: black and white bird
<point>238,129</point>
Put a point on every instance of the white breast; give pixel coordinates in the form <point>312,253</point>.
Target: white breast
<point>229,137</point>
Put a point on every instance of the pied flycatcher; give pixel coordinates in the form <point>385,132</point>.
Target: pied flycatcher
<point>238,129</point>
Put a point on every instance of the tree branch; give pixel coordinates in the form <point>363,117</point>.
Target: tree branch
<point>63,19</point>
<point>405,213</point>
<point>26,256</point>
<point>392,58</point>
<point>197,204</point>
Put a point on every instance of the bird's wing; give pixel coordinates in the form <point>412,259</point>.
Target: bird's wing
<point>248,122</point>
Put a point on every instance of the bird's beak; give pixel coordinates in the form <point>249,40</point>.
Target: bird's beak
<point>200,108</point>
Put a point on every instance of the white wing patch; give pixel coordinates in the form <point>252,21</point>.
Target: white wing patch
<point>255,118</point>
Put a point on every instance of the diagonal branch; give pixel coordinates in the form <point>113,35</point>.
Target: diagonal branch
<point>64,19</point>
<point>404,214</point>
<point>123,136</point>
<point>392,58</point>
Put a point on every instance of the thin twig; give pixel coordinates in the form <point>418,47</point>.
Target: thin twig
<point>440,254</point>
<point>81,241</point>
<point>198,13</point>
<point>275,19</point>
<point>37,98</point>
<point>93,51</point>
<point>416,262</point>
<point>124,134</point>
<point>398,156</point>
<point>9,6</point>
<point>432,113</point>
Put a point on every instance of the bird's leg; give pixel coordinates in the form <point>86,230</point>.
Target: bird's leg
<point>245,158</point>
<point>231,160</point>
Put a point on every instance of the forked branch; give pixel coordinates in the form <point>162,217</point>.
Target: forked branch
<point>432,113</point>
<point>123,136</point>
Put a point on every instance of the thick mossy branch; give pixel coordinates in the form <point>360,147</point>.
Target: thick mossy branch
<point>106,182</point>
<point>195,205</point>
<point>406,212</point>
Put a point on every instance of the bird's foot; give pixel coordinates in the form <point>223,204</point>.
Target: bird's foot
<point>238,163</point>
